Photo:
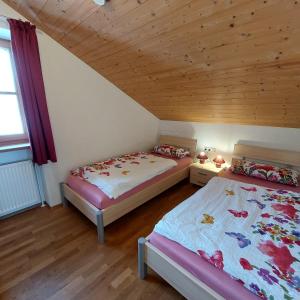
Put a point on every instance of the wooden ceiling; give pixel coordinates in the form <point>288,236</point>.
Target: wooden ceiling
<point>221,61</point>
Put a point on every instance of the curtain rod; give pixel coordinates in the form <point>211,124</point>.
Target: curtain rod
<point>6,17</point>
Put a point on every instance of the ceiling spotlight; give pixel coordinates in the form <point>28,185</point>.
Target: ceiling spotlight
<point>100,2</point>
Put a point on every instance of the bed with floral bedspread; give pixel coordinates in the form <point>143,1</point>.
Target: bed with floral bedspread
<point>250,232</point>
<point>119,175</point>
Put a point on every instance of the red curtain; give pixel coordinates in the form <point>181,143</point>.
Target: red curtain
<point>27,59</point>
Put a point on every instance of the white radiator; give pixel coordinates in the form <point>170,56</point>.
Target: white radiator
<point>18,187</point>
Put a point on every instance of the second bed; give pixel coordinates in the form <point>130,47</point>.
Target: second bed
<point>233,212</point>
<point>95,203</point>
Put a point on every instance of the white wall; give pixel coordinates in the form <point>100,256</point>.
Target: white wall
<point>91,118</point>
<point>224,136</point>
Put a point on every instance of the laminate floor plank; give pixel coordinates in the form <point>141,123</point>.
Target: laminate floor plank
<point>53,253</point>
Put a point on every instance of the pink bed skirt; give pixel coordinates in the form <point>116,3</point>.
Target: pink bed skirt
<point>95,196</point>
<point>217,280</point>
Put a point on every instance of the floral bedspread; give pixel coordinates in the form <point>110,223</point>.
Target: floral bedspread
<point>118,175</point>
<point>250,232</point>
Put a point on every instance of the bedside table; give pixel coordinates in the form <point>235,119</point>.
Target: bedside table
<point>200,174</point>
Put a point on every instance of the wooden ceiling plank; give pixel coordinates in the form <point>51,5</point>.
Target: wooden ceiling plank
<point>169,24</point>
<point>248,56</point>
<point>154,62</point>
<point>175,31</point>
<point>105,18</point>
<point>117,31</point>
<point>207,61</point>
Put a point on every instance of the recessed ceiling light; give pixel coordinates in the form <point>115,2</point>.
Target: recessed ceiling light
<point>100,2</point>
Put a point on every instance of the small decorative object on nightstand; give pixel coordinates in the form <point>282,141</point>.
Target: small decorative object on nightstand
<point>202,157</point>
<point>200,174</point>
<point>219,160</point>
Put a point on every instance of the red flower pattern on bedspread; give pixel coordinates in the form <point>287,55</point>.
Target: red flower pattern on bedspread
<point>239,214</point>
<point>245,264</point>
<point>249,189</point>
<point>115,162</point>
<point>216,259</point>
<point>288,210</point>
<point>281,256</point>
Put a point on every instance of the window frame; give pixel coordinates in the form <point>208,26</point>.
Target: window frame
<point>12,139</point>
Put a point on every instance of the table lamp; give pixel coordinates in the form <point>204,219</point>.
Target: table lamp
<point>219,160</point>
<point>202,157</point>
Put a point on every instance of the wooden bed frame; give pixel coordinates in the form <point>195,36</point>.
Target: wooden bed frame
<point>182,280</point>
<point>103,217</point>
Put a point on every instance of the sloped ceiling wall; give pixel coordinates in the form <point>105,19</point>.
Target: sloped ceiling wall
<point>221,61</point>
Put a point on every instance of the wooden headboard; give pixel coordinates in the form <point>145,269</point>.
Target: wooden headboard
<point>285,157</point>
<point>186,143</point>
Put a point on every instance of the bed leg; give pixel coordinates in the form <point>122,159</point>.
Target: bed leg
<point>142,266</point>
<point>63,199</point>
<point>100,227</point>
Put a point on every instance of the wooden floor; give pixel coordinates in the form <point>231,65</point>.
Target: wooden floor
<point>52,253</point>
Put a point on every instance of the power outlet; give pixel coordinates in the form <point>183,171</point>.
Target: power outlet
<point>209,149</point>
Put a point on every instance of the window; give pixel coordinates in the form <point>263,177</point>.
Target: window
<point>12,122</point>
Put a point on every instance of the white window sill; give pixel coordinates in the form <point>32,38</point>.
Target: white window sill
<point>14,147</point>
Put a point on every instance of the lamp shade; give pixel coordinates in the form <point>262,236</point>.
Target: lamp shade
<point>219,160</point>
<point>202,157</point>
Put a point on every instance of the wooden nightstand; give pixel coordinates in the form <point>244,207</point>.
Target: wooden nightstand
<point>200,174</point>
